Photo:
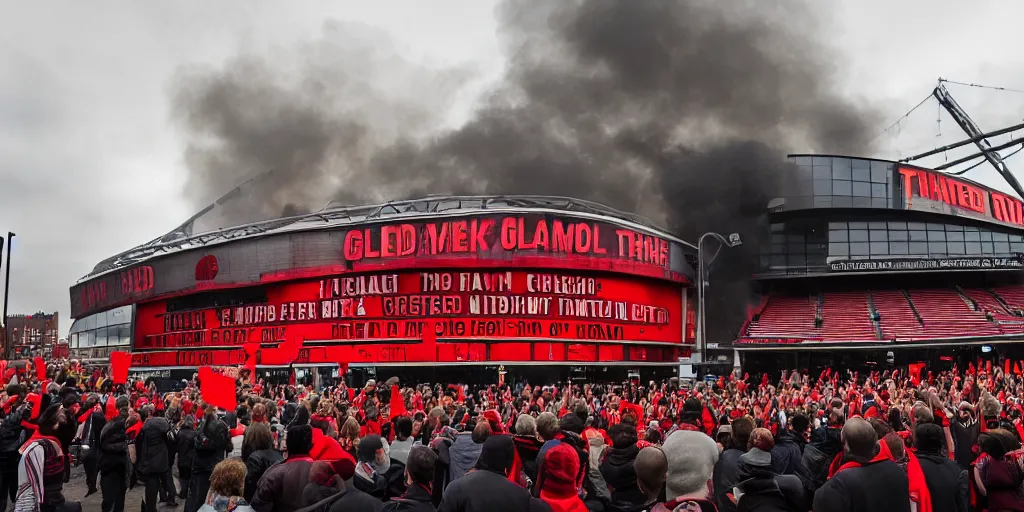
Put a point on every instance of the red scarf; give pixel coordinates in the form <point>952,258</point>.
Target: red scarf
<point>36,436</point>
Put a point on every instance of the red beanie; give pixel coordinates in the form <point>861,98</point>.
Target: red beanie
<point>561,466</point>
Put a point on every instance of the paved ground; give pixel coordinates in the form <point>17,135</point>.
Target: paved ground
<point>75,491</point>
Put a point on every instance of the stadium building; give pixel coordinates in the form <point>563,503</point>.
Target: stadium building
<point>464,286</point>
<point>873,262</point>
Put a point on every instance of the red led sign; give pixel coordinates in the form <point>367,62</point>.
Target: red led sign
<point>960,195</point>
<point>431,316</point>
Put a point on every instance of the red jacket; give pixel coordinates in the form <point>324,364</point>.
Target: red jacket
<point>326,447</point>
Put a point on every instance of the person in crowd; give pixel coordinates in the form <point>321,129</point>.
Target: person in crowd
<point>211,445</point>
<point>41,467</point>
<point>760,486</point>
<point>403,439</point>
<point>999,479</point>
<point>322,484</point>
<point>226,486</point>
<point>419,476</point>
<point>348,437</point>
<point>946,480</point>
<point>153,457</point>
<point>826,443</point>
<point>528,445</point>
<point>280,488</point>
<point>964,428</point>
<point>90,439</point>
<point>557,480</point>
<point>727,469</point>
<point>691,462</point>
<point>618,470</point>
<point>372,466</point>
<point>12,431</point>
<point>465,450</point>
<point>651,469</point>
<point>325,447</point>
<point>259,455</point>
<point>597,452</point>
<point>868,479</point>
<point>114,462</point>
<point>547,429</point>
<point>488,489</point>
<point>789,446</point>
<point>185,447</point>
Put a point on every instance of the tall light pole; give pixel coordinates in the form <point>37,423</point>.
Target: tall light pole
<point>7,296</point>
<point>732,241</point>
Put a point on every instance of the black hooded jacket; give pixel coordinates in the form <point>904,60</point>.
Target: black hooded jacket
<point>787,453</point>
<point>620,475</point>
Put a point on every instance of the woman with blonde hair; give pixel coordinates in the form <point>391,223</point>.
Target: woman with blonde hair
<point>227,484</point>
<point>349,435</point>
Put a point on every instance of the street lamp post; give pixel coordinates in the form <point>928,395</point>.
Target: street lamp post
<point>732,241</point>
<point>7,297</point>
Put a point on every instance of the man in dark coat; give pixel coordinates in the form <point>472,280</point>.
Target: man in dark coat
<point>211,445</point>
<point>488,489</point>
<point>281,487</point>
<point>869,481</point>
<point>113,461</point>
<point>185,447</point>
<point>727,470</point>
<point>419,474</point>
<point>947,481</point>
<point>153,457</point>
<point>617,467</point>
<point>17,412</point>
<point>94,423</point>
<point>789,446</point>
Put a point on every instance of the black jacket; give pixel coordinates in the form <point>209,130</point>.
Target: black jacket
<point>212,444</point>
<point>788,452</point>
<point>415,499</point>
<point>825,445</point>
<point>487,491</point>
<point>964,436</point>
<point>151,446</point>
<point>186,447</point>
<point>761,490</point>
<point>876,486</point>
<point>11,430</point>
<point>256,464</point>
<point>620,475</point>
<point>947,482</point>
<point>725,476</point>
<point>113,447</point>
<point>91,432</point>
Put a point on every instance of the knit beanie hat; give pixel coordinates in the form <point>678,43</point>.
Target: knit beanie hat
<point>497,454</point>
<point>691,461</point>
<point>561,466</point>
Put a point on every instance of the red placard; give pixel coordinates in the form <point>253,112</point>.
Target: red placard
<point>425,316</point>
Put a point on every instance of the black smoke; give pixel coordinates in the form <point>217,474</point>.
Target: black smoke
<point>682,111</point>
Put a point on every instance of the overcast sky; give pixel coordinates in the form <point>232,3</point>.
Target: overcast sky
<point>92,164</point>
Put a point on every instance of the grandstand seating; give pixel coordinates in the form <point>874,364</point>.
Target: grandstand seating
<point>903,315</point>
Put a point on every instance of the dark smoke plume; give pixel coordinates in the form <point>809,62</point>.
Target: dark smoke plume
<point>682,111</point>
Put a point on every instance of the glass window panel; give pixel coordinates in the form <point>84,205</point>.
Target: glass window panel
<point>861,174</point>
<point>937,248</point>
<point>970,228</point>
<point>859,163</point>
<point>861,202</point>
<point>87,339</point>
<point>837,225</point>
<point>1000,237</point>
<point>936,227</point>
<point>822,187</point>
<point>861,189</point>
<point>986,248</point>
<point>101,319</point>
<point>73,341</point>
<point>778,248</point>
<point>986,236</point>
<point>838,236</point>
<point>858,225</point>
<point>972,236</point>
<point>1015,238</point>
<point>795,237</point>
<point>879,248</point>
<point>796,248</point>
<point>822,160</point>
<point>955,236</point>
<point>838,249</point>
<point>898,235</point>
<point>879,171</point>
<point>823,202</point>
<point>822,172</point>
<point>898,248</point>
<point>955,248</point>
<point>918,236</point>
<point>842,188</point>
<point>877,190</point>
<point>101,337</point>
<point>973,247</point>
<point>920,248</point>
<point>89,323</point>
<point>879,235</point>
<point>877,225</point>
<point>881,202</point>
<point>842,202</point>
<point>858,235</point>
<point>778,239</point>
<point>1016,247</point>
<point>936,236</point>
<point>778,261</point>
<point>897,225</point>
<point>859,249</point>
<point>841,168</point>
<point>1002,248</point>
<point>778,227</point>
<point>124,334</point>
<point>953,227</point>
<point>803,160</point>
<point>916,225</point>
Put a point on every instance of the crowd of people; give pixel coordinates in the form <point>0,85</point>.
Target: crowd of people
<point>836,441</point>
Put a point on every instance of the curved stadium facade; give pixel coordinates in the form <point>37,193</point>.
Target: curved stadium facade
<point>872,260</point>
<point>468,283</point>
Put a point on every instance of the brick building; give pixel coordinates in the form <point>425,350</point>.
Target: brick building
<point>32,335</point>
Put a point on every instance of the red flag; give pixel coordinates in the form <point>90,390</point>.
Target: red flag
<point>988,367</point>
<point>40,369</point>
<point>914,371</point>
<point>217,390</point>
<point>1006,366</point>
<point>120,362</point>
<point>3,372</point>
<point>284,354</point>
<point>110,411</point>
<point>1016,368</point>
<point>397,404</point>
<point>342,369</point>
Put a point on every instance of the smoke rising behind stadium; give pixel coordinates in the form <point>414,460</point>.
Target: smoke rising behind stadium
<point>681,111</point>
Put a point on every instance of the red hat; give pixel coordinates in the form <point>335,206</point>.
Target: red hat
<point>561,466</point>
<point>344,467</point>
<point>186,406</point>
